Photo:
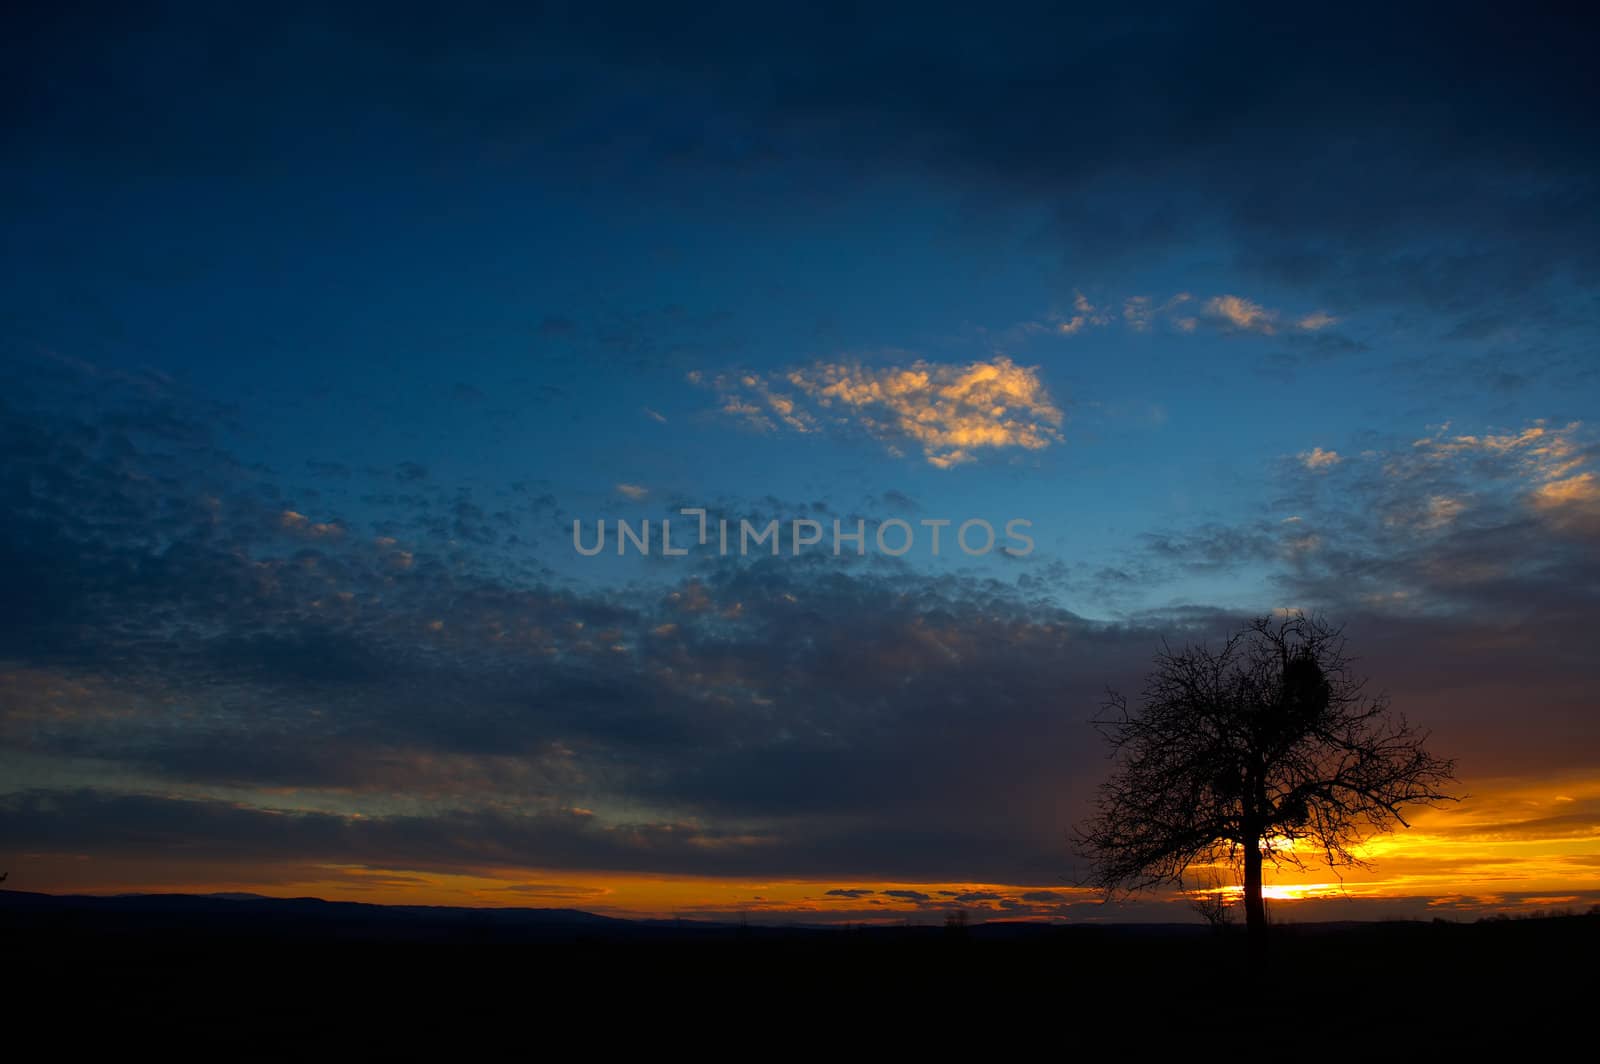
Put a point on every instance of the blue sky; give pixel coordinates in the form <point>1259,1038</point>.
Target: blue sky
<point>482,323</point>
<point>1291,314</point>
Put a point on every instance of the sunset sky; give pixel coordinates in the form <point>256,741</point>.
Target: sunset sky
<point>320,331</point>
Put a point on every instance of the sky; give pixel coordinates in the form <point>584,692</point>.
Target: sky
<point>324,328</point>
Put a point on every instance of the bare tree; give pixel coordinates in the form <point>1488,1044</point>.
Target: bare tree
<point>1214,903</point>
<point>1269,749</point>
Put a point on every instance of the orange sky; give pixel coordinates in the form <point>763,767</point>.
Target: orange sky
<point>1512,844</point>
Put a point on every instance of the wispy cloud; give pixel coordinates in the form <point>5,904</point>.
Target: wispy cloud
<point>950,412</point>
<point>1084,313</point>
<point>1499,520</point>
<point>1181,313</point>
<point>1546,465</point>
<point>1243,314</point>
<point>1319,460</point>
<point>1237,313</point>
<point>1551,458</point>
<point>1578,490</point>
<point>1441,510</point>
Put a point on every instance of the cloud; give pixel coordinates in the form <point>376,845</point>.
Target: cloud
<point>897,500</point>
<point>632,491</point>
<point>1137,312</point>
<point>1537,443</point>
<point>1493,523</point>
<point>1544,464</point>
<point>950,412</point>
<point>324,686</point>
<point>1242,314</point>
<point>1472,197</point>
<point>1440,510</point>
<point>753,400</point>
<point>336,703</point>
<point>1581,489</point>
<point>1084,313</point>
<point>1571,503</point>
<point>1230,314</point>
<point>177,664</point>
<point>1319,460</point>
<point>1483,528</point>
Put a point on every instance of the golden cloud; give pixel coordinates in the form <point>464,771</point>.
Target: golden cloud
<point>949,411</point>
<point>1084,313</point>
<point>1547,458</point>
<point>1320,460</point>
<point>294,521</point>
<point>1570,503</point>
<point>1242,314</point>
<point>1580,490</point>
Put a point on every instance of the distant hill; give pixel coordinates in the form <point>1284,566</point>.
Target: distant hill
<point>255,915</point>
<point>235,903</point>
<point>249,915</point>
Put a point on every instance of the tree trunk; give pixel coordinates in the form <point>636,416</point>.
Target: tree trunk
<point>1255,910</point>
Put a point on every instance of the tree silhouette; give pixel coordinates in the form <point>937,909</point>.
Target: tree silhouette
<point>1244,754</point>
<point>1214,903</point>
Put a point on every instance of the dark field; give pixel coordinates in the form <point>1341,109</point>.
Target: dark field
<point>243,977</point>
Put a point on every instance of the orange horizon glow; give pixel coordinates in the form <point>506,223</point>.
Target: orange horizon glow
<point>1517,844</point>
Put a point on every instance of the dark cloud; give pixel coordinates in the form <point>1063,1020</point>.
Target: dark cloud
<point>895,501</point>
<point>186,629</point>
<point>1210,547</point>
<point>1378,154</point>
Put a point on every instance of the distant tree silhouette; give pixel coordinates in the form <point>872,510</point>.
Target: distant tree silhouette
<point>1214,903</point>
<point>1238,754</point>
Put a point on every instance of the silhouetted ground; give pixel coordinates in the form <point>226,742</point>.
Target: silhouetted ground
<point>230,979</point>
